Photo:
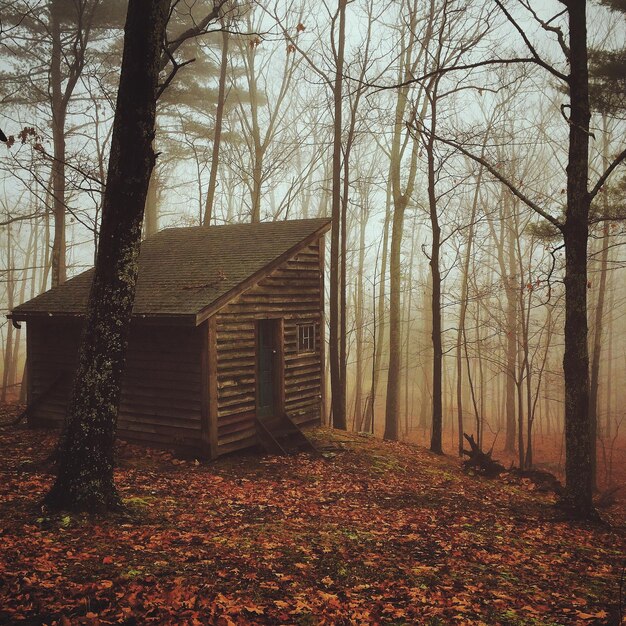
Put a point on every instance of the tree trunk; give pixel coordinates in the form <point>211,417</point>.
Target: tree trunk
<point>10,291</point>
<point>59,106</point>
<point>511,287</point>
<point>85,472</point>
<point>598,328</point>
<point>338,389</point>
<point>608,422</point>
<point>578,466</point>
<point>408,413</point>
<point>379,314</point>
<point>151,213</point>
<point>217,138</point>
<point>258,151</point>
<point>463,313</point>
<point>400,201</point>
<point>30,258</point>
<point>359,319</point>
<point>395,313</point>
<point>46,258</point>
<point>437,415</point>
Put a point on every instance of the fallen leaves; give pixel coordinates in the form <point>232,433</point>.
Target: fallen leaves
<point>591,616</point>
<point>381,533</point>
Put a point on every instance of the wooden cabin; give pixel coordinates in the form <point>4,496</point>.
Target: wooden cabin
<point>227,337</point>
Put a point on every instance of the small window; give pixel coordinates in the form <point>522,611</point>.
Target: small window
<point>306,338</point>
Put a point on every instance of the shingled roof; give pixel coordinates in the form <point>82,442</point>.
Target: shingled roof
<point>184,271</point>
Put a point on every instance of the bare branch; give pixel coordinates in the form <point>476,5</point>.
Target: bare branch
<point>193,31</point>
<point>535,55</point>
<point>494,172</point>
<point>21,218</point>
<point>609,170</point>
<point>547,26</point>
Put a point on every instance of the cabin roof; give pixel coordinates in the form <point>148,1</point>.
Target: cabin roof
<point>186,274</point>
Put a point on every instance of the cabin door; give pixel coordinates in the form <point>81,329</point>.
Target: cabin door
<point>269,391</point>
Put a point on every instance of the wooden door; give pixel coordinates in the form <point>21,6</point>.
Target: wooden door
<point>269,387</point>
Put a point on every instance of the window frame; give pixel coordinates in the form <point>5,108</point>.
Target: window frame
<point>310,338</point>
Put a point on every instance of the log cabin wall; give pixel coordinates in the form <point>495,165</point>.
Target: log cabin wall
<point>292,292</point>
<point>52,354</point>
<point>161,391</point>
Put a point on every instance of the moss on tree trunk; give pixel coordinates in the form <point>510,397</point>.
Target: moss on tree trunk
<point>85,463</point>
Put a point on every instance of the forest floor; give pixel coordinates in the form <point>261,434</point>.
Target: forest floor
<point>372,533</point>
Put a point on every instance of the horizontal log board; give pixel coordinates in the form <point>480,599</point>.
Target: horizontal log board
<point>167,401</point>
<point>237,392</point>
<point>53,350</point>
<point>292,292</point>
<point>248,433</point>
<point>237,363</point>
<point>190,446</point>
<point>157,413</point>
<point>298,405</point>
<point>235,350</point>
<point>238,444</point>
<point>235,419</point>
<point>227,383</point>
<point>134,423</point>
<point>243,402</point>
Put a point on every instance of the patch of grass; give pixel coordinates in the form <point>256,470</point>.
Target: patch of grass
<point>132,573</point>
<point>139,501</point>
<point>385,464</point>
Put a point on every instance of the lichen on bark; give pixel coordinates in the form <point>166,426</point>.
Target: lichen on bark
<point>85,454</point>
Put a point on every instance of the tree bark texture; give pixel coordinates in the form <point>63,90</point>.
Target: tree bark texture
<point>85,471</point>
<point>217,137</point>
<point>463,313</point>
<point>594,382</point>
<point>337,385</point>
<point>511,287</point>
<point>437,414</point>
<point>578,467</point>
<point>392,406</point>
<point>59,108</point>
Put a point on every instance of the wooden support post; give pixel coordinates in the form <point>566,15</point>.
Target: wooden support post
<point>280,367</point>
<point>208,430</point>
<point>322,335</point>
<point>30,396</point>
<point>213,385</point>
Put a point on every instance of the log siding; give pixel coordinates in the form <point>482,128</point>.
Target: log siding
<point>161,392</point>
<point>293,293</point>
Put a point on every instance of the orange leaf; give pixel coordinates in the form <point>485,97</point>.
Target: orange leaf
<point>589,616</point>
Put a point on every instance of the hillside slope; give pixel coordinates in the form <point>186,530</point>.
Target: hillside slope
<point>371,533</point>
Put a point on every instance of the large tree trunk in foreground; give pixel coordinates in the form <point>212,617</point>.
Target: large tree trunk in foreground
<point>85,475</point>
<point>578,467</point>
